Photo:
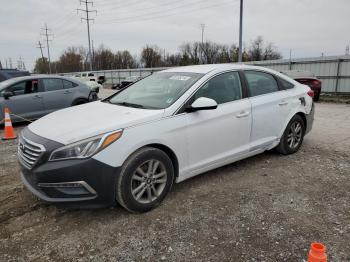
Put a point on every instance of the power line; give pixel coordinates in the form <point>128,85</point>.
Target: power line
<point>47,35</point>
<point>152,16</point>
<point>87,19</point>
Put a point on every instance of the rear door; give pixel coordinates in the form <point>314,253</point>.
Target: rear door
<point>56,96</point>
<point>27,100</point>
<point>270,108</point>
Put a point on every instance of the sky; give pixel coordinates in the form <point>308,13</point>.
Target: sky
<point>307,27</point>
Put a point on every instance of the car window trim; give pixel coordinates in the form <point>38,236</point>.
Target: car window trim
<point>279,81</point>
<point>181,108</point>
<point>279,88</point>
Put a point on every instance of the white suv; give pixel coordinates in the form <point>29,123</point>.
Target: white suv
<point>131,147</point>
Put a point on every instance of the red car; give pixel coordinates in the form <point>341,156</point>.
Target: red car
<point>306,78</point>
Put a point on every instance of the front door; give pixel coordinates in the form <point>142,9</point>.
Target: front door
<point>26,100</point>
<point>219,136</point>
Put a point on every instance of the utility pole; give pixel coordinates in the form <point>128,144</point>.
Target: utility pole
<point>347,50</point>
<point>202,51</point>
<point>10,62</point>
<point>46,34</point>
<point>87,19</point>
<point>93,50</point>
<point>240,32</point>
<point>41,50</point>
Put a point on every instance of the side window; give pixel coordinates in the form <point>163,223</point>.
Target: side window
<point>284,84</point>
<point>222,88</point>
<point>260,83</point>
<point>68,84</point>
<point>52,84</point>
<point>24,87</point>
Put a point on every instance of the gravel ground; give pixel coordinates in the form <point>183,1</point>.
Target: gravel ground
<point>265,208</point>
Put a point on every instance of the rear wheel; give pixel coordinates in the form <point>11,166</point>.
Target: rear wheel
<point>145,179</point>
<point>292,137</point>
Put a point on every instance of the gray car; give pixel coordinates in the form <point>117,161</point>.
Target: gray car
<point>31,97</point>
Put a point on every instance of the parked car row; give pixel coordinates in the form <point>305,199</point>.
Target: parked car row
<point>11,73</point>
<point>89,76</point>
<point>165,128</point>
<point>126,82</point>
<point>32,97</point>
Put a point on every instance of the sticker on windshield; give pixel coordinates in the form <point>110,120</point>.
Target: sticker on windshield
<point>169,100</point>
<point>181,78</point>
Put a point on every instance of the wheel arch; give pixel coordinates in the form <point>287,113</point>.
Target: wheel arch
<point>75,100</point>
<point>167,150</point>
<point>301,114</point>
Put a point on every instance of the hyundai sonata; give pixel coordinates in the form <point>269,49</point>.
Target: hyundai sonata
<point>131,147</point>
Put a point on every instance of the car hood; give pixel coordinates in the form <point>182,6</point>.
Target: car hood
<point>80,122</point>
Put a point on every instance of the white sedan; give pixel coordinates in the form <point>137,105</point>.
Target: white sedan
<point>131,147</point>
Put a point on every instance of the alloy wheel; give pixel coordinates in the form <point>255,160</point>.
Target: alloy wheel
<point>148,181</point>
<point>294,135</point>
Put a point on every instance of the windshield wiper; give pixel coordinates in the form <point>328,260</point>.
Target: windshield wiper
<point>128,104</point>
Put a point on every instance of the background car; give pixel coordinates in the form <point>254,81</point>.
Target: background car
<point>89,76</point>
<point>31,97</point>
<point>11,73</point>
<point>126,82</point>
<point>306,78</point>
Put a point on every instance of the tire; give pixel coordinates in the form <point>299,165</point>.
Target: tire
<point>79,102</point>
<point>286,145</point>
<point>138,190</point>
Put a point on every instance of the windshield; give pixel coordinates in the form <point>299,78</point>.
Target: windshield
<point>158,91</point>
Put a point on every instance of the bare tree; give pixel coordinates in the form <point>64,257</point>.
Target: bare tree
<point>151,56</point>
<point>260,51</point>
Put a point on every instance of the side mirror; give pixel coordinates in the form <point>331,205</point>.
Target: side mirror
<point>202,103</point>
<point>7,94</point>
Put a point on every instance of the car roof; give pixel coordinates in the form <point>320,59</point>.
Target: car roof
<point>204,69</point>
<point>24,78</point>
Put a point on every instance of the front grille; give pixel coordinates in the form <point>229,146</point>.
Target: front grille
<point>29,152</point>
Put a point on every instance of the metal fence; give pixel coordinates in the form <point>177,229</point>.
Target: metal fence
<point>334,71</point>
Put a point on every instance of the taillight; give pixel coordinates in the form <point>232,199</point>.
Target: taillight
<point>311,93</point>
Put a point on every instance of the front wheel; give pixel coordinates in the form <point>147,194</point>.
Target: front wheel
<point>145,179</point>
<point>292,137</point>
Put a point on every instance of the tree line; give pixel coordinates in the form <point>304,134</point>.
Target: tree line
<point>75,59</point>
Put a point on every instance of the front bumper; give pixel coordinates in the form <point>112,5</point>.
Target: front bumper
<point>74,183</point>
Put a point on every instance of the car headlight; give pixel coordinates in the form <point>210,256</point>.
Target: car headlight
<point>85,148</point>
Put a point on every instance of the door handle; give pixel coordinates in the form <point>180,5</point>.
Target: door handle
<point>67,92</point>
<point>242,114</point>
<point>283,103</point>
<point>36,97</point>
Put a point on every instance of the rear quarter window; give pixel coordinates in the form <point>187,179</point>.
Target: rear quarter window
<point>284,84</point>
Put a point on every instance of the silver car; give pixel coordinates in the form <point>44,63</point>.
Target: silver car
<point>31,97</point>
